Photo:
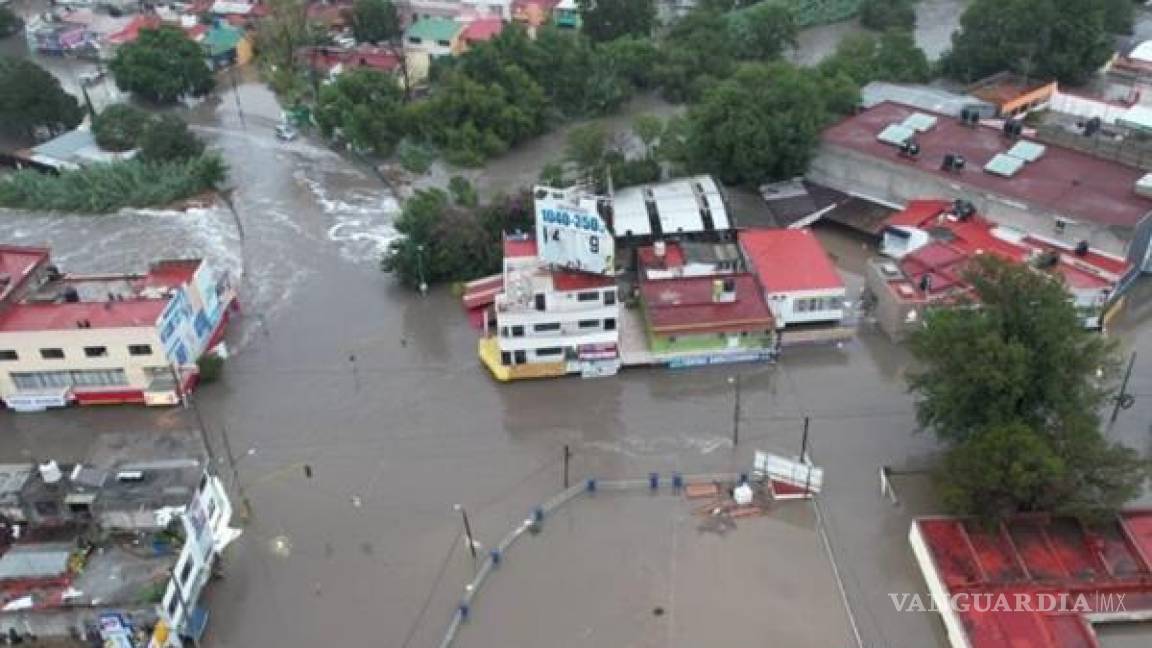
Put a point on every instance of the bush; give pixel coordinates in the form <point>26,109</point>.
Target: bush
<point>167,139</point>
<point>883,15</point>
<point>105,188</point>
<point>120,127</point>
<point>9,22</point>
<point>463,193</point>
<point>211,367</point>
<point>415,158</point>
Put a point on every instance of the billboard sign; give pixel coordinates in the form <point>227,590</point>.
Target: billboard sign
<point>570,233</point>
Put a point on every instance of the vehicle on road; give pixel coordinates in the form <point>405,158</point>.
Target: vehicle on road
<point>90,78</point>
<point>285,132</point>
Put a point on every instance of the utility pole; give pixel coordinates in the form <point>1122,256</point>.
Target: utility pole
<point>804,443</point>
<point>567,456</point>
<point>1123,399</point>
<point>735,382</point>
<point>467,531</point>
<point>420,267</point>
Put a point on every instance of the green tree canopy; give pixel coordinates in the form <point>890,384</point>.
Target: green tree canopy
<point>162,65</point>
<point>763,123</point>
<point>883,15</point>
<point>119,127</point>
<point>763,31</point>
<point>586,146</point>
<point>1065,40</point>
<point>9,22</point>
<point>32,98</point>
<point>1013,385</point>
<point>375,21</point>
<point>605,20</point>
<point>167,139</point>
<point>893,56</point>
<point>366,107</point>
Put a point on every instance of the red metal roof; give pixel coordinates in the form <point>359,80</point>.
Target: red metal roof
<point>516,247</point>
<point>17,262</point>
<point>686,305</point>
<point>946,260</point>
<point>1030,556</point>
<point>673,257</point>
<point>1063,181</point>
<point>789,260</point>
<point>482,29</point>
<point>566,280</point>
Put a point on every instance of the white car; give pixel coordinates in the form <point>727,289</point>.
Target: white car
<point>89,78</point>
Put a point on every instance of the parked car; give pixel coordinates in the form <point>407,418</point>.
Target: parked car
<point>89,78</point>
<point>285,132</point>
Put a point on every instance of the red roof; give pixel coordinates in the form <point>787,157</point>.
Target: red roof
<point>1063,180</point>
<point>789,260</point>
<point>673,257</point>
<point>482,29</point>
<point>131,31</point>
<point>567,280</point>
<point>1029,556</point>
<point>686,305</point>
<point>17,262</point>
<point>946,260</point>
<point>516,247</point>
<point>326,58</point>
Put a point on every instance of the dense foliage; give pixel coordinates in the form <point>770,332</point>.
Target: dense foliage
<point>442,241</point>
<point>883,15</point>
<point>167,139</point>
<point>9,22</point>
<point>1013,386</point>
<point>109,187</point>
<point>365,108</point>
<point>375,21</point>
<point>162,65</point>
<point>1064,40</point>
<point>119,127</point>
<point>893,56</point>
<point>605,20</point>
<point>33,99</point>
<point>764,122</point>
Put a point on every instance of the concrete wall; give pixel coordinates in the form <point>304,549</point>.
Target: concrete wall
<point>891,182</point>
<point>27,345</point>
<point>891,312</point>
<point>707,342</point>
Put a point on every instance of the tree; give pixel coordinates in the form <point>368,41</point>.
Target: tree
<point>586,147</point>
<point>162,65</point>
<point>9,22</point>
<point>119,127</point>
<point>1013,385</point>
<point>763,31</point>
<point>1064,40</point>
<point>605,20</point>
<point>695,50</point>
<point>882,15</point>
<point>648,129</point>
<point>375,21</point>
<point>167,139</point>
<point>893,56</point>
<point>365,107</point>
<point>761,124</point>
<point>32,98</point>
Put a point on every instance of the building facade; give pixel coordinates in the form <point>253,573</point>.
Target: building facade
<point>800,283</point>
<point>104,338</point>
<point>550,322</point>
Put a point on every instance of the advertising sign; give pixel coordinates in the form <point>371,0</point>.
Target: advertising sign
<point>571,234</point>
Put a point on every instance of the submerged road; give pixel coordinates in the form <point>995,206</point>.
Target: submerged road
<point>378,391</point>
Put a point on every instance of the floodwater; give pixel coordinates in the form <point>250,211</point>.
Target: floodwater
<point>379,393</point>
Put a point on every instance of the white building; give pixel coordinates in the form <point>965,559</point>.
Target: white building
<point>800,282</point>
<point>550,322</point>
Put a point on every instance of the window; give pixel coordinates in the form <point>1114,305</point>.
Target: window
<point>588,296</point>
<point>610,298</point>
<point>517,331</point>
<point>550,351</point>
<point>505,358</point>
<point>610,324</point>
<point>8,354</point>
<point>588,324</point>
<point>203,484</point>
<point>415,40</point>
<point>172,607</point>
<point>139,349</point>
<point>540,301</point>
<point>28,380</point>
<point>443,43</point>
<point>539,328</point>
<point>1061,225</point>
<point>520,357</point>
<point>52,354</point>
<point>185,572</point>
<point>96,352</point>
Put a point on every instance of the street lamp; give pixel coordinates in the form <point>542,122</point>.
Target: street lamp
<point>420,268</point>
<point>735,382</point>
<point>467,530</point>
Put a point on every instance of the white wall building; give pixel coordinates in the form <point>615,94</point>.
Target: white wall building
<point>800,282</point>
<point>551,322</point>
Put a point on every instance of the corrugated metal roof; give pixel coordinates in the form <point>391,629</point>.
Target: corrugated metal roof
<point>34,561</point>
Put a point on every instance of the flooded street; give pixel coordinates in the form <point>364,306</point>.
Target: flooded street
<point>379,393</point>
